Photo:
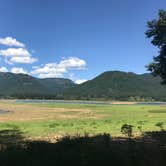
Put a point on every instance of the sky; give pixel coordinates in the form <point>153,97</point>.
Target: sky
<point>76,39</point>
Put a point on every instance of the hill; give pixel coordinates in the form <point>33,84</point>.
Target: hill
<point>115,85</point>
<point>26,86</point>
<point>119,85</point>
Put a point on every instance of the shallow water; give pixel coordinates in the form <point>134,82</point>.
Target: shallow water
<point>86,102</point>
<point>62,102</point>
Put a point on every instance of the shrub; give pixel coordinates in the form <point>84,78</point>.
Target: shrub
<point>126,129</point>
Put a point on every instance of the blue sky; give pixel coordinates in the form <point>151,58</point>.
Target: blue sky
<point>76,39</point>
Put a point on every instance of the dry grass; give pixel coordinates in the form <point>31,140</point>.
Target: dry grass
<point>124,102</point>
<point>25,112</point>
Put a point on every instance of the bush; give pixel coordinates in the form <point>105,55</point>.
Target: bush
<point>126,129</point>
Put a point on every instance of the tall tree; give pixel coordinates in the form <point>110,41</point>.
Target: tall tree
<point>157,31</point>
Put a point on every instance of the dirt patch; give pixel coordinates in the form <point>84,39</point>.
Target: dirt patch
<point>123,102</point>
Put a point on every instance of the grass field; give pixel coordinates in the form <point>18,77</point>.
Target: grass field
<point>49,120</point>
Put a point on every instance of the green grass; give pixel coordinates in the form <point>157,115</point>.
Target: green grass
<point>114,117</point>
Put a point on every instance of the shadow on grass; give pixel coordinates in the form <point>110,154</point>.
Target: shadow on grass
<point>150,150</point>
<point>10,137</point>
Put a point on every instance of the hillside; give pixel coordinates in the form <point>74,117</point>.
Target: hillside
<point>26,86</point>
<point>119,85</point>
<point>115,85</point>
<point>54,85</point>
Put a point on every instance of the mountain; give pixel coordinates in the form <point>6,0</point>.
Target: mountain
<point>55,85</point>
<point>26,86</point>
<point>115,85</point>
<point>119,85</point>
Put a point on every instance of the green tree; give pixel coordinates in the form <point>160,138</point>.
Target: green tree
<point>157,31</point>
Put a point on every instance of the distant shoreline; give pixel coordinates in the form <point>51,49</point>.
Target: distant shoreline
<point>84,102</point>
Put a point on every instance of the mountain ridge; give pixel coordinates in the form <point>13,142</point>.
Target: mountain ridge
<point>113,85</point>
<point>119,85</point>
<point>26,86</point>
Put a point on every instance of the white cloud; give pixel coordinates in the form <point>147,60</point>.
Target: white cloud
<point>15,52</point>
<point>49,70</point>
<point>9,41</point>
<point>80,81</point>
<point>3,69</point>
<point>17,55</point>
<point>59,69</point>
<point>73,62</point>
<point>28,60</point>
<point>18,70</point>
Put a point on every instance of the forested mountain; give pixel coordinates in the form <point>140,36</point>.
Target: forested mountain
<point>119,85</point>
<point>115,85</point>
<point>26,86</point>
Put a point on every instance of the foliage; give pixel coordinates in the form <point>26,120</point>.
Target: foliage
<point>157,31</point>
<point>127,130</point>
